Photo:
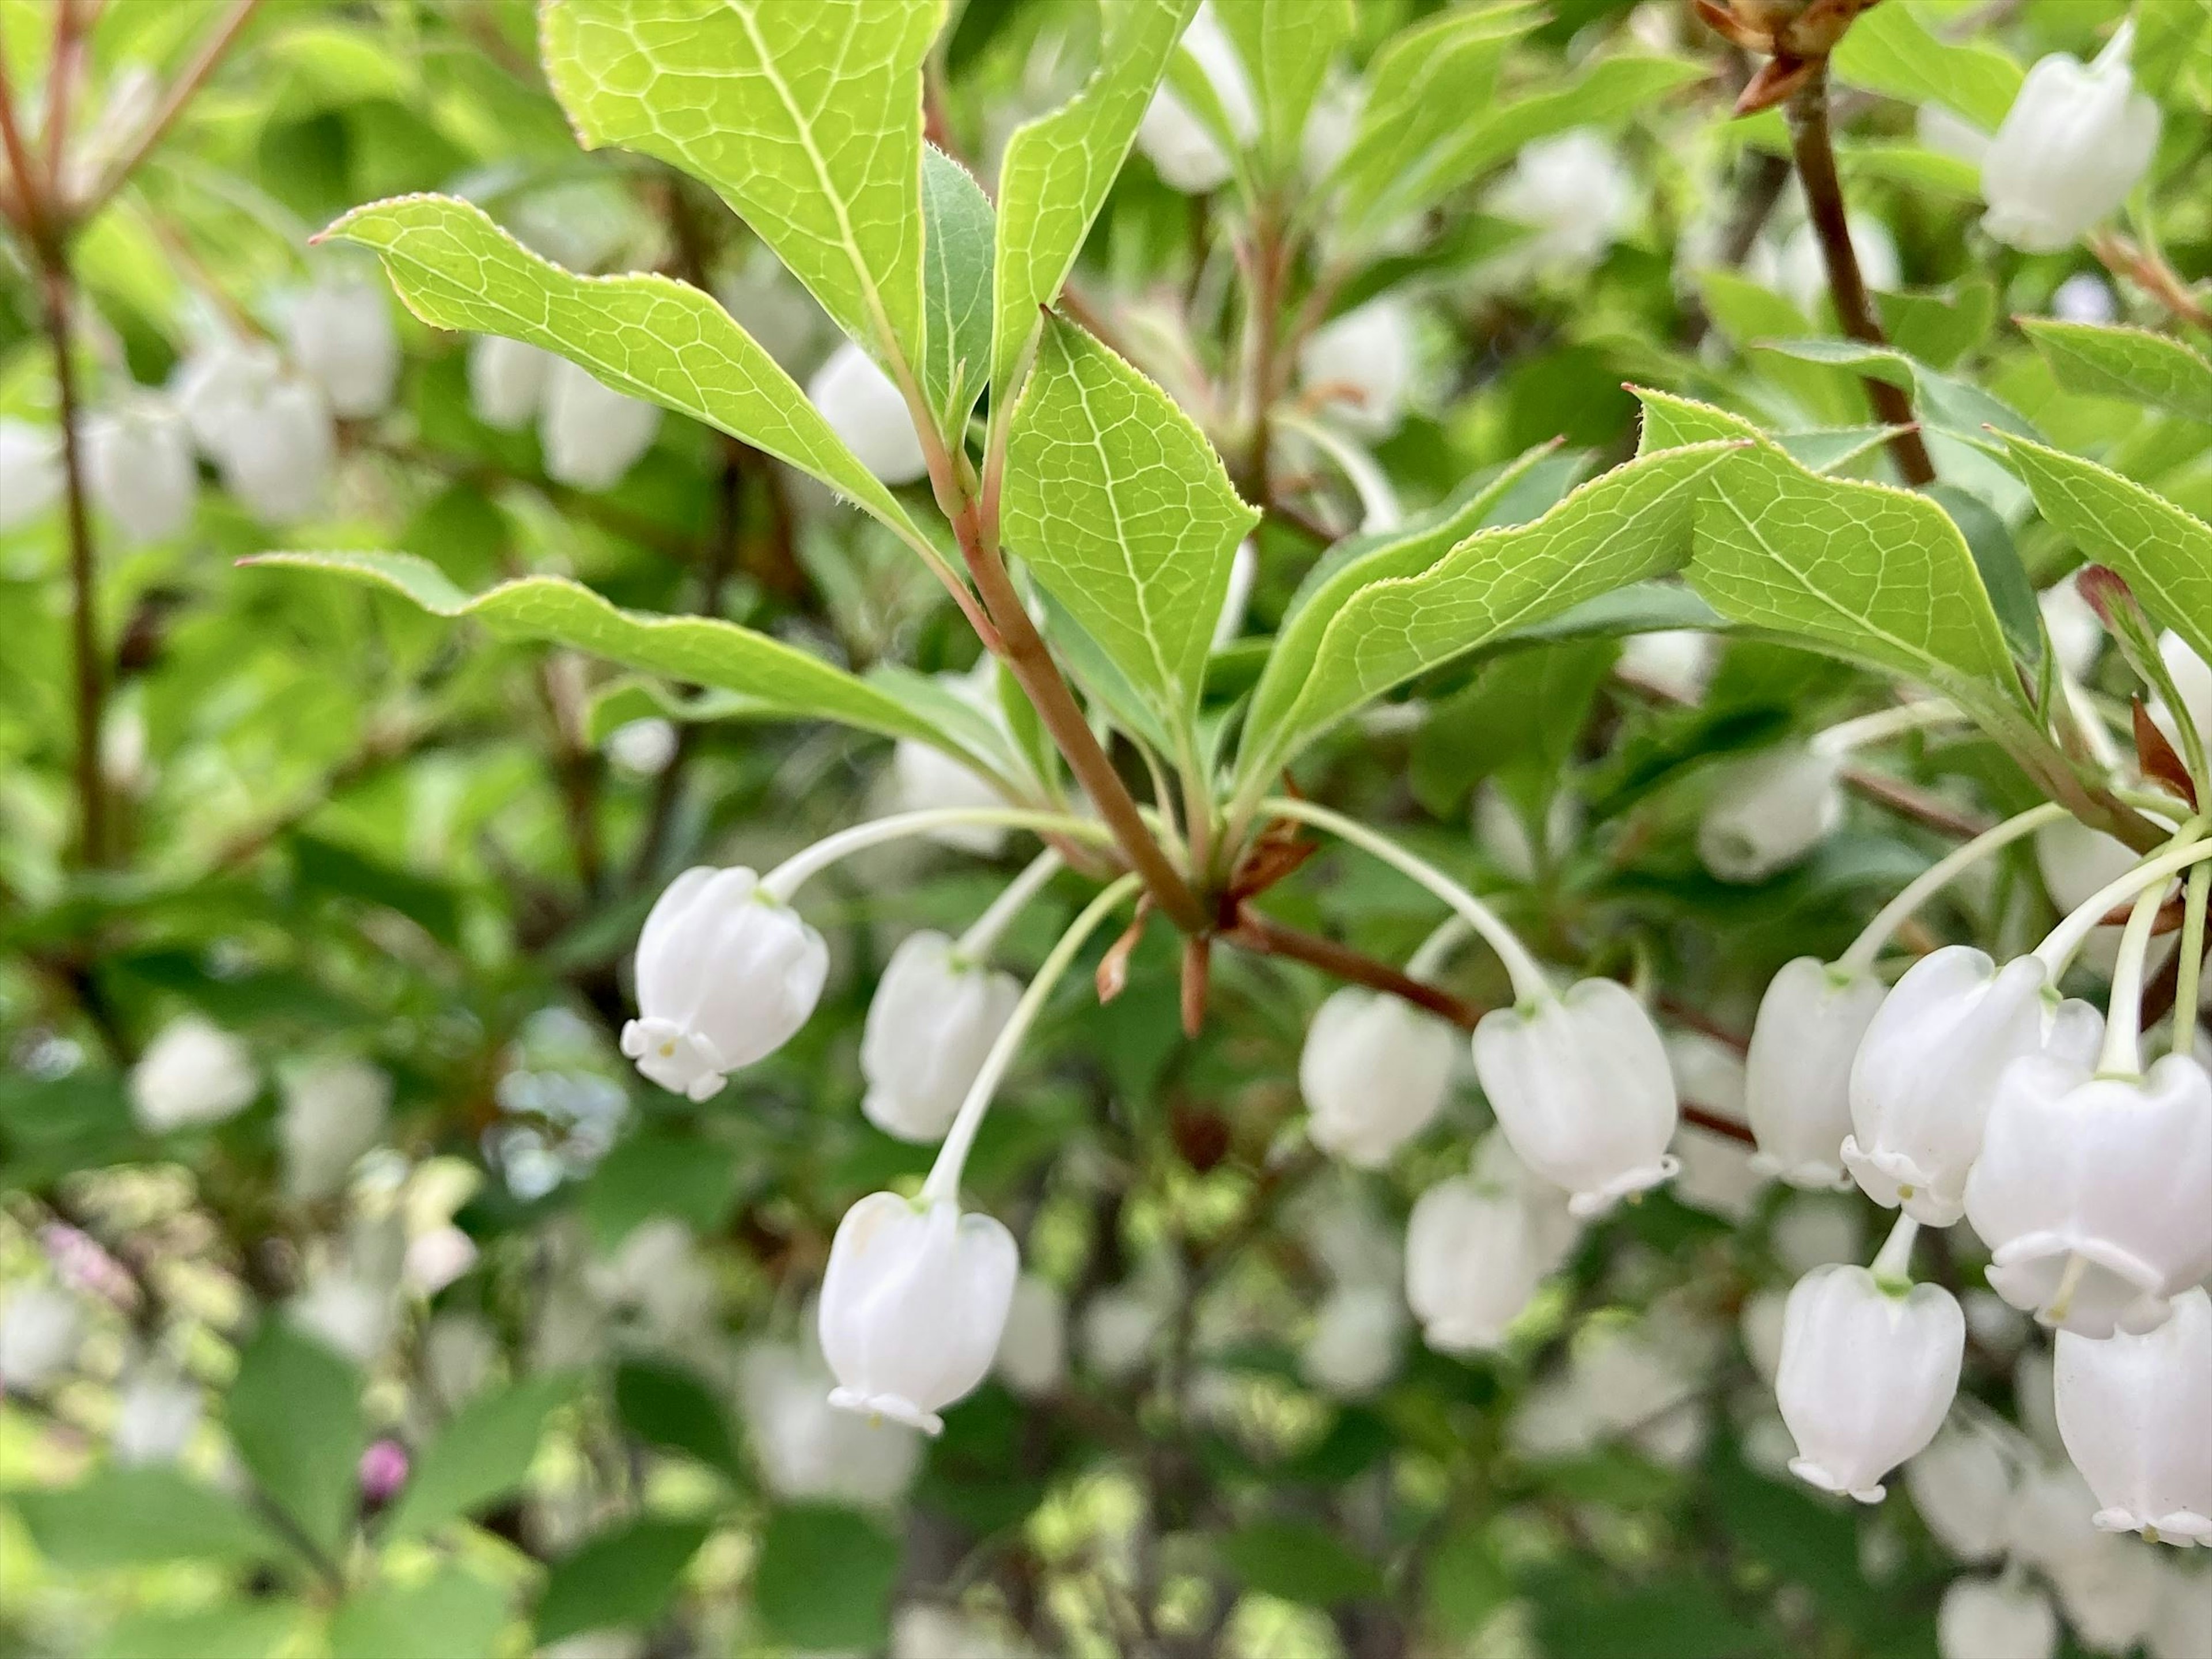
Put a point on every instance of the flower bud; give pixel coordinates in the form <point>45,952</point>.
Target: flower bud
<point>1574,193</point>
<point>913,1303</point>
<point>192,1073</point>
<point>590,434</point>
<point>30,471</point>
<point>1927,1072</point>
<point>341,334</point>
<point>40,1328</point>
<point>507,380</point>
<point>1032,1357</point>
<point>1866,1376</point>
<point>1984,1617</point>
<point>725,975</point>
<point>867,410</point>
<point>1580,1088</point>
<point>1797,1074</point>
<point>2094,1194</point>
<point>808,1449</point>
<point>1360,366</point>
<point>139,464</point>
<point>2075,143</point>
<point>1477,1246</point>
<point>382,1470</point>
<point>334,1111</point>
<point>1182,147</point>
<point>1374,1072</point>
<point>2134,1412</point>
<point>1769,812</point>
<point>1962,1486</point>
<point>932,1019</point>
<point>155,1416</point>
<point>1358,1340</point>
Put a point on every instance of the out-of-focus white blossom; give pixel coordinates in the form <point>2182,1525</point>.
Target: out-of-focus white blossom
<point>340,333</point>
<point>1946,134</point>
<point>140,467</point>
<point>642,748</point>
<point>2076,140</point>
<point>931,1021</point>
<point>1358,1340</point>
<point>1769,812</point>
<point>1962,1485</point>
<point>2084,297</point>
<point>1995,1619</point>
<point>1175,140</point>
<point>1374,1072</point>
<point>589,433</point>
<point>334,1111</point>
<point>193,1072</point>
<point>1501,831</point>
<point>1799,270</point>
<point>155,1416</point>
<point>352,1311</point>
<point>437,1258</point>
<point>30,471</point>
<point>1576,195</point>
<point>1477,1247</point>
<point>2076,635</point>
<point>1032,1358</point>
<point>507,380</point>
<point>806,1447</point>
<point>40,1328</point>
<point>867,410</point>
<point>1360,366</point>
<point>1677,662</point>
<point>2135,1413</point>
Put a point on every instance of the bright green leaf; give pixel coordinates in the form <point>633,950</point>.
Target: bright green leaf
<point>1299,1562</point>
<point>703,650</point>
<point>296,1417</point>
<point>131,1517</point>
<point>956,287</point>
<point>625,1576</point>
<point>1058,169</point>
<point>1287,46</point>
<point>824,1578</point>
<point>806,118</point>
<point>659,1172</point>
<point>666,1405</point>
<point>1123,513</point>
<point>1629,524</point>
<point>1890,50</point>
<point>647,336</point>
<point>480,1456</point>
<point>2134,363</point>
<point>452,1614</point>
<point>2165,553</point>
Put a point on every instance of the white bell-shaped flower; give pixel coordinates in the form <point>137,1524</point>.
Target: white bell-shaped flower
<point>1677,662</point>
<point>926,777</point>
<point>1477,1247</point>
<point>2076,140</point>
<point>913,1303</point>
<point>2076,862</point>
<point>2077,634</point>
<point>2094,1194</point>
<point>340,333</point>
<point>1574,193</point>
<point>1927,1071</point>
<point>40,1330</point>
<point>192,1073</point>
<point>353,1312</point>
<point>1374,1070</point>
<point>1581,1087</point>
<point>590,434</point>
<point>215,377</point>
<point>1769,812</point>
<point>1866,1375</point>
<point>932,1019</point>
<point>1121,1324</point>
<point>2135,1414</point>
<point>1962,1485</point>
<point>1174,140</point>
<point>1360,366</point>
<point>1995,1619</point>
<point>1798,1075</point>
<point>275,446</point>
<point>30,471</point>
<point>140,466</point>
<point>1937,129</point>
<point>334,1111</point>
<point>156,1417</point>
<point>808,1449</point>
<point>725,975</point>
<point>2192,678</point>
<point>507,380</point>
<point>1357,1341</point>
<point>865,408</point>
<point>1032,1357</point>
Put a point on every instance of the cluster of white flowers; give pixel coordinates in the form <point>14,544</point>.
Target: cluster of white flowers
<point>589,434</point>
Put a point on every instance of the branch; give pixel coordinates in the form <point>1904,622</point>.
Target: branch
<point>1815,155</point>
<point>1263,936</point>
<point>1911,802</point>
<point>182,91</point>
<point>84,623</point>
<point>2149,272</point>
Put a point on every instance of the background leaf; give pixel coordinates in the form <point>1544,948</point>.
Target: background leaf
<point>452,1614</point>
<point>625,1576</point>
<point>2100,362</point>
<point>824,1578</point>
<point>296,1417</point>
<point>118,1517</point>
<point>480,1456</point>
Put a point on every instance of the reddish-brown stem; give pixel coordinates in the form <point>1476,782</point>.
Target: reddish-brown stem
<point>2153,274</point>
<point>62,73</point>
<point>84,620</point>
<point>1714,1123</point>
<point>181,92</point>
<point>1815,154</point>
<point>1263,936</point>
<point>1907,801</point>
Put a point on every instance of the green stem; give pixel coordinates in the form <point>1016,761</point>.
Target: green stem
<point>1436,947</point>
<point>1885,724</point>
<point>1867,946</point>
<point>943,1179</point>
<point>2121,1055</point>
<point>1893,1267</point>
<point>786,879</point>
<point>1531,984</point>
<point>2191,966</point>
<point>983,936</point>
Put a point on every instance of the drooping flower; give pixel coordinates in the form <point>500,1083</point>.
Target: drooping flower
<point>40,1330</point>
<point>1797,1074</point>
<point>590,434</point>
<point>2076,140</point>
<point>807,1448</point>
<point>1984,1617</point>
<point>1374,1073</point>
<point>139,465</point>
<point>1866,1375</point>
<point>507,380</point>
<point>1358,1340</point>
<point>30,471</point>
<point>931,1021</point>
<point>340,333</point>
<point>1962,1485</point>
<point>334,1111</point>
<point>1477,1247</point>
<point>157,1414</point>
<point>1576,195</point>
<point>1184,150</point>
<point>2135,1414</point>
<point>1032,1357</point>
<point>193,1072</point>
<point>1769,812</point>
<point>867,410</point>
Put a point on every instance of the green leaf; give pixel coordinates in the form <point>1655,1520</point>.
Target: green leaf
<point>1299,1562</point>
<point>666,1405</point>
<point>1420,89</point>
<point>1940,329</point>
<point>703,650</point>
<point>824,1578</point>
<point>133,1517</point>
<point>2099,361</point>
<point>1890,50</point>
<point>956,289</point>
<point>1942,400</point>
<point>480,1456</point>
<point>1631,523</point>
<point>1123,513</point>
<point>1523,711</point>
<point>1057,170</point>
<point>2165,553</point>
<point>1287,46</point>
<point>2012,595</point>
<point>452,1614</point>
<point>647,336</point>
<point>1464,1583</point>
<point>625,1576</point>
<point>295,1418</point>
<point>244,1630</point>
<point>806,118</point>
<point>659,1172</point>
